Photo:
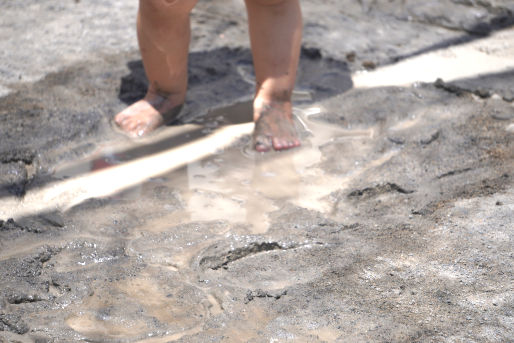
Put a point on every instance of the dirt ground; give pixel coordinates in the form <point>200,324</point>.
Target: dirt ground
<point>392,223</point>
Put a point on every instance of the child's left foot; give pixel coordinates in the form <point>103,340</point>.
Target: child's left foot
<point>274,127</point>
<point>146,115</point>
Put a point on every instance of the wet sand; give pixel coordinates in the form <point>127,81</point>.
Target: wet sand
<point>392,223</point>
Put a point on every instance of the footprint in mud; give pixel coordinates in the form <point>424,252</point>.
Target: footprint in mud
<point>176,247</point>
<point>255,264</point>
<point>154,303</point>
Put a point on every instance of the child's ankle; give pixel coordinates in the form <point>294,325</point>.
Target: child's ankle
<point>261,101</point>
<point>160,97</point>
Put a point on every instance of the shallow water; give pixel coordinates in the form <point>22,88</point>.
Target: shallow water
<point>233,182</point>
<point>157,225</point>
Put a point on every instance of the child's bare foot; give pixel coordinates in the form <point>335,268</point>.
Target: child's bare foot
<point>274,127</point>
<point>147,114</point>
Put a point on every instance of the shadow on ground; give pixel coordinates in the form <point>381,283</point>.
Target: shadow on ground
<point>476,31</point>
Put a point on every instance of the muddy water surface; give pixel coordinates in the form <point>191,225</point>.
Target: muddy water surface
<point>234,183</point>
<point>157,243</point>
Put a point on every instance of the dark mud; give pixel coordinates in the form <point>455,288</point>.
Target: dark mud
<point>392,223</point>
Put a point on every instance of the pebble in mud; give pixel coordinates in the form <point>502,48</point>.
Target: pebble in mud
<point>369,65</point>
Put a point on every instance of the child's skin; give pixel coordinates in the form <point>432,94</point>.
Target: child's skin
<point>275,34</point>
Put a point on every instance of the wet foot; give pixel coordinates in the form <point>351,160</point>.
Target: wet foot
<point>274,127</point>
<point>146,115</point>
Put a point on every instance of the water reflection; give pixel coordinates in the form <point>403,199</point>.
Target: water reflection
<point>217,173</point>
<point>241,186</point>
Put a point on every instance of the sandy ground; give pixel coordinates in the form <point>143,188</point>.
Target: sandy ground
<point>393,222</point>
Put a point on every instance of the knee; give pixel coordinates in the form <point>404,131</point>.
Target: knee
<point>164,8</point>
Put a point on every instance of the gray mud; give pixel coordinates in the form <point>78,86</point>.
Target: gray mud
<point>392,223</point>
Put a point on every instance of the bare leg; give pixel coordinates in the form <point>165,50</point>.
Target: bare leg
<point>163,32</point>
<point>275,35</point>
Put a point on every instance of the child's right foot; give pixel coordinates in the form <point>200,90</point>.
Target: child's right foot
<point>146,115</point>
<point>274,127</point>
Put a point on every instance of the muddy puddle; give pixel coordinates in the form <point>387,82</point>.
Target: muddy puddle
<point>227,180</point>
<point>159,219</point>
<point>392,222</point>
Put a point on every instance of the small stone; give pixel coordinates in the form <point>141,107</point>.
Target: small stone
<point>483,93</point>
<point>370,65</point>
<point>508,97</point>
<point>312,53</point>
<point>396,140</point>
<point>503,116</point>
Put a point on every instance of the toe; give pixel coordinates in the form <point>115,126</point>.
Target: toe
<point>262,143</point>
<point>276,143</point>
<point>119,119</point>
<point>130,125</point>
<point>284,144</point>
<point>279,143</point>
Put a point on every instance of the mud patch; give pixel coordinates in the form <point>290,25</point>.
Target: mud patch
<point>251,295</point>
<point>221,243</point>
<point>17,167</point>
<point>222,260</point>
<point>13,323</point>
<point>370,192</point>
